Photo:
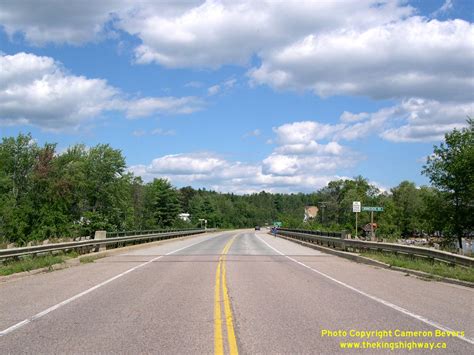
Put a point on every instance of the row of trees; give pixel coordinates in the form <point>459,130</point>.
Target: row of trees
<point>46,194</point>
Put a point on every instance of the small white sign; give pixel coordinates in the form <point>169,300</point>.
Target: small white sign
<point>356,205</point>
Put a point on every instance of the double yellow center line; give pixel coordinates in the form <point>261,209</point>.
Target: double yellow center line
<point>218,337</point>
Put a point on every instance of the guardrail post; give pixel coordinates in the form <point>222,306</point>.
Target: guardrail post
<point>98,236</point>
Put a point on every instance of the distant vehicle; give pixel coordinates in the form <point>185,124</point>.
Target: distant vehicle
<point>257,228</point>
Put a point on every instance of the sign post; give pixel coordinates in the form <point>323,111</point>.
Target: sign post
<point>372,209</point>
<point>372,234</point>
<point>356,209</point>
<point>205,222</point>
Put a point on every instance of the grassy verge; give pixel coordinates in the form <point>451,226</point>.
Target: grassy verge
<point>29,263</point>
<point>90,258</point>
<point>436,268</point>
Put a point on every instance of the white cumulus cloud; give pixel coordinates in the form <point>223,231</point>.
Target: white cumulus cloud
<point>289,168</point>
<point>305,131</point>
<point>412,120</point>
<point>179,164</point>
<point>57,21</point>
<point>147,106</point>
<point>214,33</point>
<point>409,58</point>
<point>372,48</point>
<point>37,90</point>
<point>428,120</point>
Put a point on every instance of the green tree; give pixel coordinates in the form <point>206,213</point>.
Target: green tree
<point>107,189</point>
<point>451,169</point>
<point>407,201</point>
<point>186,195</point>
<point>17,162</point>
<point>434,214</point>
<point>162,203</point>
<point>335,202</point>
<point>138,203</point>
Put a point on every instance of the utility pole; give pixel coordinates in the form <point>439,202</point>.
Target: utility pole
<point>323,206</point>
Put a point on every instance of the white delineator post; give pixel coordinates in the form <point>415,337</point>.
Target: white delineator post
<point>98,236</point>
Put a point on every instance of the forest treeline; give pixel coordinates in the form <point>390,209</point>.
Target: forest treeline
<point>48,194</point>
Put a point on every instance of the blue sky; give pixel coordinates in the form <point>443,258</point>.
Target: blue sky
<point>242,96</point>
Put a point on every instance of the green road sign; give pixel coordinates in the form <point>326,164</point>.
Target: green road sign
<point>277,224</point>
<point>372,209</point>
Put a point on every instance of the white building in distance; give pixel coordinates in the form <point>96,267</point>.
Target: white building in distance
<point>184,217</point>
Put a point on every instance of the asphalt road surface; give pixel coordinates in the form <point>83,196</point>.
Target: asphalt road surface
<point>232,292</point>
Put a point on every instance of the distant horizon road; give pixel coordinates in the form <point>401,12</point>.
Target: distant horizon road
<point>232,292</point>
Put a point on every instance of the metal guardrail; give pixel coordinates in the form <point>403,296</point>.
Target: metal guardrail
<point>147,231</point>
<point>95,243</point>
<point>316,232</point>
<point>356,245</point>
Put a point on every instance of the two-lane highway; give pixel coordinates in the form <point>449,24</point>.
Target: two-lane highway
<point>236,291</point>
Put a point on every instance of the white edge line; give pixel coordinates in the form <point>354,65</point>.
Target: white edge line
<point>73,298</point>
<point>374,298</point>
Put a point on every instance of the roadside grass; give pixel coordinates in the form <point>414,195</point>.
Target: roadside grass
<point>90,258</point>
<point>29,263</point>
<point>435,268</point>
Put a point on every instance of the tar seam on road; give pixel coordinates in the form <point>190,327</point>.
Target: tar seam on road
<point>218,338</point>
<point>374,298</point>
<point>73,298</point>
